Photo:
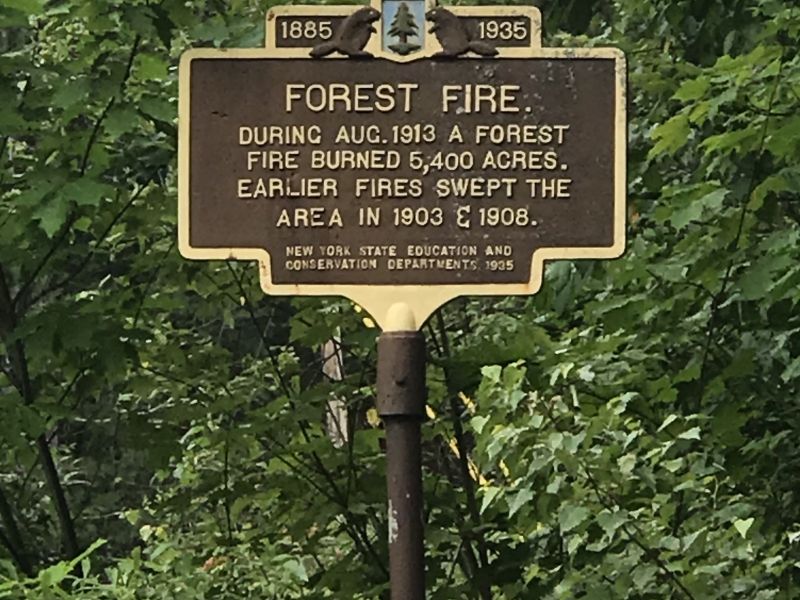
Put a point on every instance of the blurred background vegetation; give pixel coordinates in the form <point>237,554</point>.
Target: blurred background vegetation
<point>631,432</point>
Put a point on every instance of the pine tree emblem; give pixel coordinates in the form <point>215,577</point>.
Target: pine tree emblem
<point>403,27</point>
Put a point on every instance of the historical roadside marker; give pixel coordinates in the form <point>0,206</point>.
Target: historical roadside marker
<point>402,155</point>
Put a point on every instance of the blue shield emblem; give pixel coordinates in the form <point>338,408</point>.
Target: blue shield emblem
<point>403,26</point>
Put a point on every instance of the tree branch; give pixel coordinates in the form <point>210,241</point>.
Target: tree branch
<point>151,280</point>
<point>611,504</point>
<point>26,391</point>
<point>14,542</point>
<point>356,524</point>
<point>86,259</point>
<point>467,482</point>
<point>73,216</point>
<point>96,129</point>
<point>716,302</point>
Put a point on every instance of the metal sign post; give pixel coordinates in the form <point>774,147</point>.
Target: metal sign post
<point>402,154</point>
<point>401,405</point>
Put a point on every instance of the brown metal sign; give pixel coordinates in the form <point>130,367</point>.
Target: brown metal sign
<point>396,155</point>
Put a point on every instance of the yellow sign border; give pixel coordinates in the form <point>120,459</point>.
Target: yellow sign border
<point>419,301</point>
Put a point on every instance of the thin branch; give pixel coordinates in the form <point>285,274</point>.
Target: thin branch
<point>226,487</point>
<point>86,259</point>
<point>73,217</point>
<point>58,496</point>
<point>59,239</point>
<point>97,124</point>
<point>59,402</point>
<point>353,527</point>
<point>700,287</point>
<point>14,541</point>
<point>452,569</point>
<point>612,505</point>
<point>357,524</point>
<point>26,391</point>
<point>716,302</point>
<point>248,306</point>
<point>152,279</point>
<point>463,462</point>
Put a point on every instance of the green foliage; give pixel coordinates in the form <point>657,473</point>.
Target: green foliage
<point>604,520</point>
<point>628,433</point>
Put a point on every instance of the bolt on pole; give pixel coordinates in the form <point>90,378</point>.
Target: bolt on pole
<point>401,405</point>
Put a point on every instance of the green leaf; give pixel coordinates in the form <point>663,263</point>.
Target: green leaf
<point>54,575</point>
<point>296,568</point>
<point>670,136</point>
<point>158,108</point>
<point>151,67</point>
<point>626,464</point>
<point>492,373</point>
<point>739,140</point>
<point>53,215</point>
<point>478,423</point>
<point>667,422</point>
<point>772,184</point>
<point>792,371</point>
<point>785,139</point>
<point>519,500</point>
<point>743,526</point>
<point>29,7</point>
<point>72,92</point>
<point>87,192</point>
<point>693,89</point>
<point>696,209</point>
<point>690,434</point>
<point>120,120</point>
<point>757,281</point>
<point>571,516</point>
<point>489,494</point>
<point>610,522</point>
<point>689,373</point>
<point>575,542</point>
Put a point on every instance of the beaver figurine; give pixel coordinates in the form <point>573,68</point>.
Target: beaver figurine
<point>352,35</point>
<point>453,35</point>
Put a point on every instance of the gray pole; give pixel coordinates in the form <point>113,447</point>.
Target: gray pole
<point>401,405</point>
